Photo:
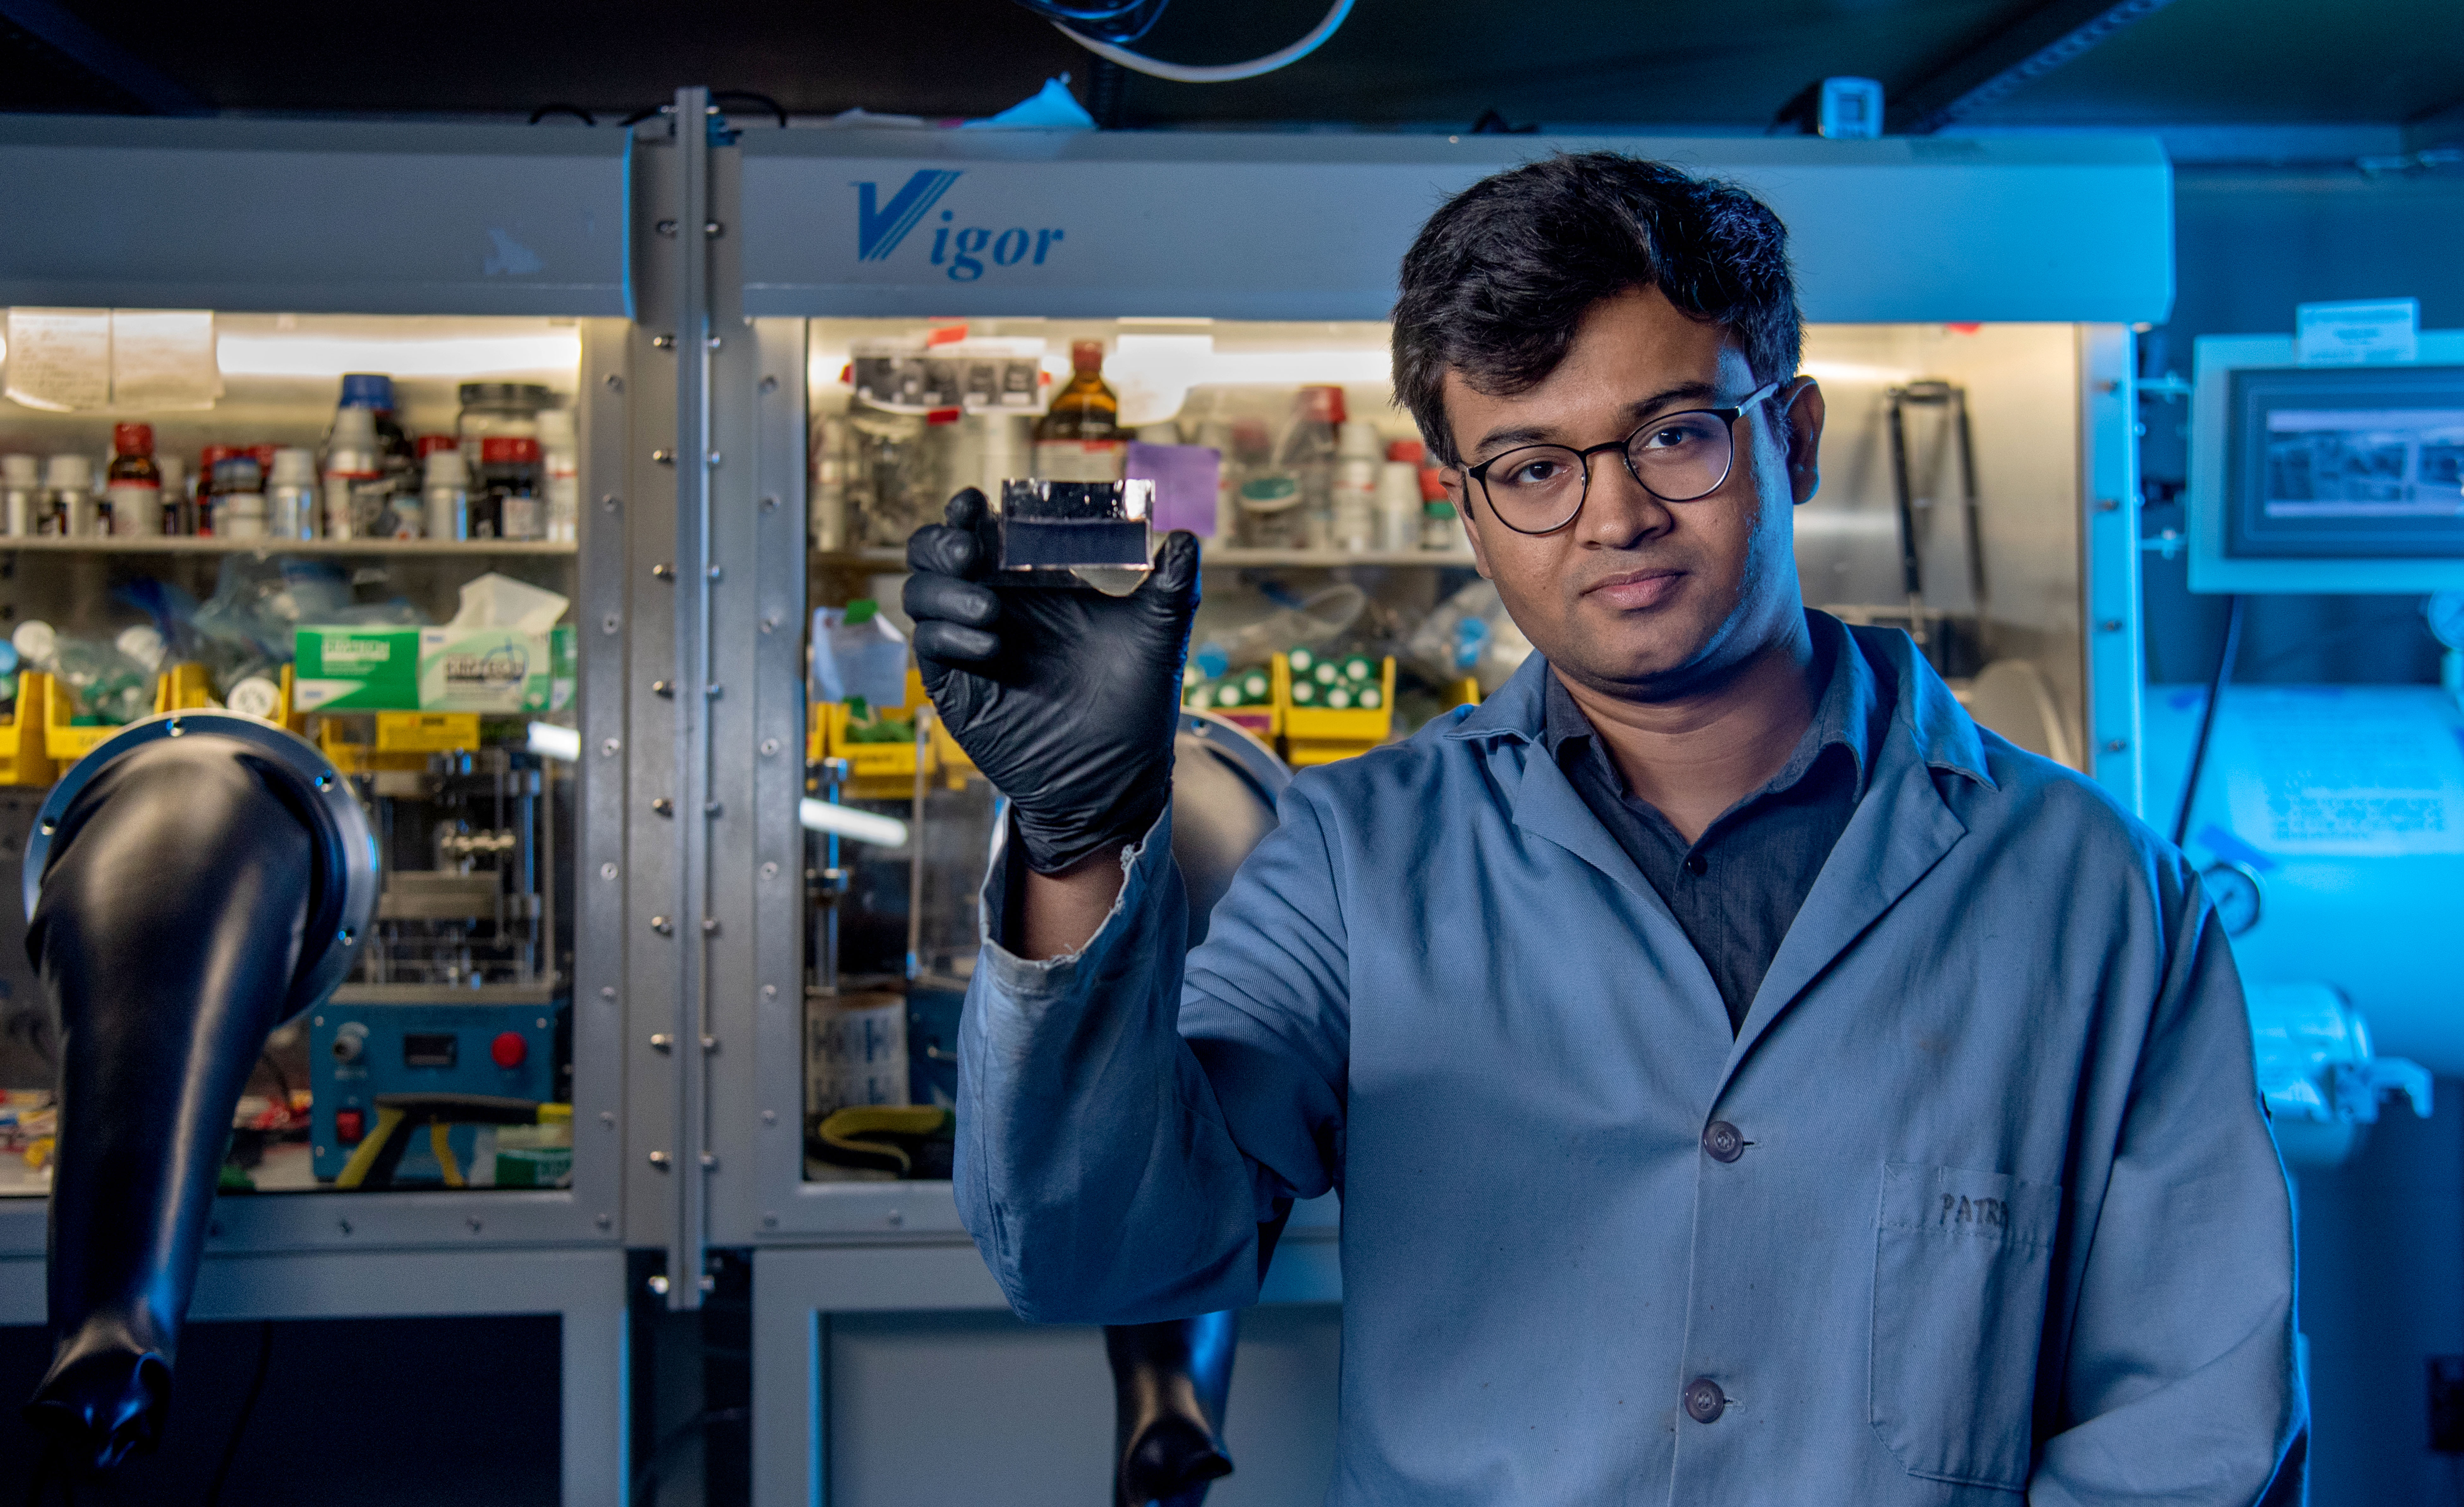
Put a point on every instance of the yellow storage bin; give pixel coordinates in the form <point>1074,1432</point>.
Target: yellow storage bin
<point>1316,735</point>
<point>875,771</point>
<point>64,743</point>
<point>183,688</point>
<point>23,756</point>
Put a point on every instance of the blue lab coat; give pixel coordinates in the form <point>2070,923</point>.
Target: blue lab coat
<point>2007,1218</point>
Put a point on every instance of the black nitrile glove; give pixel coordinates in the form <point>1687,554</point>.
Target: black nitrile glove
<point>1066,700</point>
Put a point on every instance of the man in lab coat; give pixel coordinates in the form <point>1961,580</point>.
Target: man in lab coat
<point>1747,1080</point>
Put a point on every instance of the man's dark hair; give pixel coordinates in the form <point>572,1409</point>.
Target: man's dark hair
<point>1497,280</point>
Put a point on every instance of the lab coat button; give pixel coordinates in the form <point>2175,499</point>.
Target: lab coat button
<point>1722,1143</point>
<point>1705,1402</point>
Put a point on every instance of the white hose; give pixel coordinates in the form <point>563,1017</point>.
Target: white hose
<point>551,741</point>
<point>882,832</point>
<point>1225,73</point>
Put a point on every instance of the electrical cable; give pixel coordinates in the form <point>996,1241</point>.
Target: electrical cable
<point>2208,715</point>
<point>1225,73</point>
<point>247,1410</point>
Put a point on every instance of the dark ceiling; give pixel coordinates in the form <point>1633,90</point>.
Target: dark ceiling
<point>1425,63</point>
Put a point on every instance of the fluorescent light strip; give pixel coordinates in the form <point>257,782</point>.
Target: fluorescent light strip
<point>468,357</point>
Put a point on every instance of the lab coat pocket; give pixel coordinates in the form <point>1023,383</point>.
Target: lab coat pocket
<point>1961,1262</point>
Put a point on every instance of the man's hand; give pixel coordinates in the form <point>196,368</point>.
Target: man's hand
<point>1066,700</point>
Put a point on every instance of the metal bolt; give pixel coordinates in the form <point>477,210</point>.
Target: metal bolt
<point>769,991</point>
<point>769,1117</point>
<point>2111,625</point>
<point>659,1159</point>
<point>770,385</point>
<point>608,992</point>
<point>345,1224</point>
<point>714,692</point>
<point>711,809</point>
<point>709,1284</point>
<point>663,805</point>
<point>610,502</point>
<point>658,1284</point>
<point>178,726</point>
<point>770,871</point>
<point>770,623</point>
<point>664,457</point>
<point>894,1218</point>
<point>710,1161</point>
<point>666,688</point>
<point>608,747</point>
<point>607,1119</point>
<point>664,341</point>
<point>609,623</point>
<point>770,750</point>
<point>615,382</point>
<point>608,871</point>
<point>713,228</point>
<point>2116,745</point>
<point>606,1221</point>
<point>663,571</point>
<point>661,1041</point>
<point>714,572</point>
<point>346,936</point>
<point>324,782</point>
<point>662,925</point>
<point>769,1221</point>
<point>713,461</point>
<point>2107,504</point>
<point>710,925</point>
<point>666,228</point>
<point>714,343</point>
<point>709,1044</point>
<point>473,1223</point>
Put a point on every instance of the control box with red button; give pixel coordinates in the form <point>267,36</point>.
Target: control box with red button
<point>358,1050</point>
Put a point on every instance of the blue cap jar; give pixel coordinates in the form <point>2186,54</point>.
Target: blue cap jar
<point>367,389</point>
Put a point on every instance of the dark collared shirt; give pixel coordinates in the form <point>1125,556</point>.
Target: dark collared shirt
<point>1737,887</point>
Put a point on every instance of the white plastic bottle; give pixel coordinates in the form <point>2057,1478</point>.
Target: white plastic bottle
<point>291,508</point>
<point>1398,505</point>
<point>1359,456</point>
<point>21,496</point>
<point>561,462</point>
<point>75,509</point>
<point>354,475</point>
<point>445,495</point>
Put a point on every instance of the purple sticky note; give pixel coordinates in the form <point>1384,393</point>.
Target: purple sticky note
<point>1185,479</point>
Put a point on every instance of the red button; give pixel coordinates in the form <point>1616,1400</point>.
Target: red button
<point>509,1049</point>
<point>350,1126</point>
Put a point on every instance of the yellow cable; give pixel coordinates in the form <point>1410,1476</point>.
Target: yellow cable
<point>440,1140</point>
<point>355,1171</point>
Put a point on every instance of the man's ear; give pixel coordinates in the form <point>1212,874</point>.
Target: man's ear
<point>1800,409</point>
<point>1454,484</point>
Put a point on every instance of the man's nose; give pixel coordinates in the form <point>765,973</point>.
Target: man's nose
<point>1618,512</point>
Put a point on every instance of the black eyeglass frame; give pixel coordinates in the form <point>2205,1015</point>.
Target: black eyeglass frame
<point>1727,416</point>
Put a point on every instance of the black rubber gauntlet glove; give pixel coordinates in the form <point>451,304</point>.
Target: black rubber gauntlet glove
<point>1064,698</point>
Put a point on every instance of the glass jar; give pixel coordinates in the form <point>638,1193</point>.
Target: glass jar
<point>498,410</point>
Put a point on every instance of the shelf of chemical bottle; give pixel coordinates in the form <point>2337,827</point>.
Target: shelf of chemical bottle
<point>1224,556</point>
<point>183,544</point>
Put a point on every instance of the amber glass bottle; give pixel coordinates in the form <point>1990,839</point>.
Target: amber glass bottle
<point>1080,437</point>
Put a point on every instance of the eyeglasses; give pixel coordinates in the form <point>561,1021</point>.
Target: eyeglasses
<point>1677,458</point>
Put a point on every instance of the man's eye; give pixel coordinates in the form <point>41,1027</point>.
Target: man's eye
<point>1675,436</point>
<point>1536,474</point>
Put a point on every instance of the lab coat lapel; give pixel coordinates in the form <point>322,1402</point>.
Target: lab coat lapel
<point>1900,832</point>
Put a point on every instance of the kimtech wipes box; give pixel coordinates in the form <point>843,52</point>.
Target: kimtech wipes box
<point>502,651</point>
<point>495,669</point>
<point>350,668</point>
